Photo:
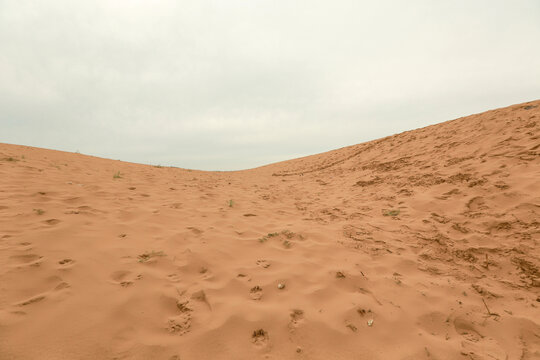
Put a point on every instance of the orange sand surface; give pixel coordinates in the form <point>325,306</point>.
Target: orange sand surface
<point>421,245</point>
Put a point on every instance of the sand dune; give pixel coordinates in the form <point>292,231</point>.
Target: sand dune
<point>421,245</point>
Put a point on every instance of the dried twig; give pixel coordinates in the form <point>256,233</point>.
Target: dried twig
<point>489,312</point>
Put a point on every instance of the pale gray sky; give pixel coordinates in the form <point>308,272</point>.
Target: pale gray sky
<point>225,85</point>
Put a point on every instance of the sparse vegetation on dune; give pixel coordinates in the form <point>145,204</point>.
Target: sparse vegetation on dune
<point>429,235</point>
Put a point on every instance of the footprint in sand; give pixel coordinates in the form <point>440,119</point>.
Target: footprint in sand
<point>201,296</point>
<point>180,324</point>
<point>466,328</point>
<point>256,292</point>
<point>297,318</point>
<point>488,348</point>
<point>259,338</point>
<point>62,285</point>
<point>476,204</point>
<point>435,323</point>
<point>124,278</point>
<point>66,263</point>
<point>195,231</point>
<point>173,277</point>
<point>51,221</point>
<point>27,259</point>
<point>263,263</point>
<point>32,300</point>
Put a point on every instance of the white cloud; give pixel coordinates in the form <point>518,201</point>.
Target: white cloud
<point>229,84</point>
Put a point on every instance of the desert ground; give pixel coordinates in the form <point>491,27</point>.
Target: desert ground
<point>420,245</point>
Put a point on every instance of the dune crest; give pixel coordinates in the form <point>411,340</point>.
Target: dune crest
<point>421,245</point>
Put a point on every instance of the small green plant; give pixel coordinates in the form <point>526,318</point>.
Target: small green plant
<point>287,244</point>
<point>231,203</point>
<point>394,212</point>
<point>11,159</point>
<point>149,255</point>
<point>288,234</point>
<point>39,211</point>
<point>268,236</point>
<point>117,175</point>
<point>158,166</point>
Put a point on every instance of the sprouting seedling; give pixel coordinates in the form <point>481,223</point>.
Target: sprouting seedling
<point>231,203</point>
<point>391,212</point>
<point>117,175</point>
<point>39,211</point>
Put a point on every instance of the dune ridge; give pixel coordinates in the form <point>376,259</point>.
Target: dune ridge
<point>420,245</point>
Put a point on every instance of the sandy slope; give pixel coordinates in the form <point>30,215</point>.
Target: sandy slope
<point>420,232</point>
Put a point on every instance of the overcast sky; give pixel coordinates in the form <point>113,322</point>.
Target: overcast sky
<point>226,85</point>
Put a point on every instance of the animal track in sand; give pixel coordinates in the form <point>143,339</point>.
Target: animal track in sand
<point>195,230</point>
<point>297,318</point>
<point>51,221</point>
<point>173,277</point>
<point>467,329</point>
<point>259,338</point>
<point>66,263</point>
<point>27,259</point>
<point>256,292</point>
<point>263,263</point>
<point>32,300</point>
<point>62,285</point>
<point>435,323</point>
<point>148,256</point>
<point>180,324</point>
<point>22,246</point>
<point>124,278</point>
<point>201,296</point>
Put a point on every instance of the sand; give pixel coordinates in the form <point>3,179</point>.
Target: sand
<point>421,245</point>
